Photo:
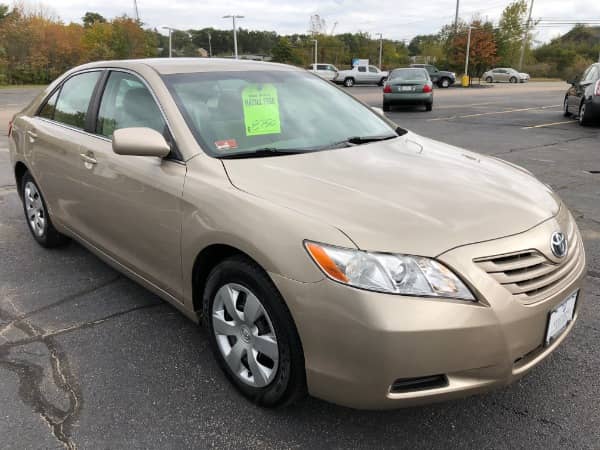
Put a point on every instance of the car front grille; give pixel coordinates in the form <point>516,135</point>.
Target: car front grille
<point>529,275</point>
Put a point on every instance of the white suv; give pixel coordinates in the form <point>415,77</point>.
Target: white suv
<point>326,71</point>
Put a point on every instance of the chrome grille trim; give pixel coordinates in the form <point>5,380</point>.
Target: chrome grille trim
<point>529,275</point>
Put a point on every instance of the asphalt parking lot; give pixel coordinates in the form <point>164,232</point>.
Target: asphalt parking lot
<point>88,359</point>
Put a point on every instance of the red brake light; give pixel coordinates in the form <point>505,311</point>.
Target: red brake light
<point>426,88</point>
<point>387,89</point>
<point>597,88</point>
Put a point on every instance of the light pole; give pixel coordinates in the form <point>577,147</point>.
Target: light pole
<point>170,41</point>
<point>209,46</point>
<point>468,49</point>
<point>380,48</point>
<point>456,17</point>
<point>316,53</point>
<point>233,17</point>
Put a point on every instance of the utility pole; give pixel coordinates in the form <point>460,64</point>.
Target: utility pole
<point>233,17</point>
<point>380,48</point>
<point>468,50</point>
<point>525,36</point>
<point>209,46</point>
<point>456,17</point>
<point>136,11</point>
<point>316,53</point>
<point>170,40</point>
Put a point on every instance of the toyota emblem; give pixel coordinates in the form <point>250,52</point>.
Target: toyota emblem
<point>558,244</point>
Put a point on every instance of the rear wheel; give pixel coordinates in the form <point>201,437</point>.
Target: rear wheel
<point>489,80</point>
<point>386,107</point>
<point>36,213</point>
<point>252,334</point>
<point>444,83</point>
<point>428,106</point>
<point>584,116</point>
<point>349,82</point>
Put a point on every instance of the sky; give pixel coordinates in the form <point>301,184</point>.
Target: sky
<point>396,19</point>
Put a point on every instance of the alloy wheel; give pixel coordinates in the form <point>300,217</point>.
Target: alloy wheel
<point>36,213</point>
<point>582,114</point>
<point>245,335</point>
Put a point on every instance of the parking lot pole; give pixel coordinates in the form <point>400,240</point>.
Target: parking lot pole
<point>456,17</point>
<point>235,48</point>
<point>316,53</point>
<point>380,48</point>
<point>468,51</point>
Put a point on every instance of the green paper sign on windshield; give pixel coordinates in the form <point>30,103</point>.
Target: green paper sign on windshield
<point>261,110</point>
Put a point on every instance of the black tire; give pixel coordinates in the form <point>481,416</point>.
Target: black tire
<point>428,106</point>
<point>289,382</point>
<point>584,115</point>
<point>49,237</point>
<point>489,80</point>
<point>381,82</point>
<point>349,82</point>
<point>386,107</point>
<point>566,112</point>
<point>444,83</point>
<point>513,79</point>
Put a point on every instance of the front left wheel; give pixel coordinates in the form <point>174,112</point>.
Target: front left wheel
<point>252,334</point>
<point>36,214</point>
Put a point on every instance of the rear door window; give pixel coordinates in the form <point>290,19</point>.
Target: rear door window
<point>47,110</point>
<point>373,69</point>
<point>74,99</point>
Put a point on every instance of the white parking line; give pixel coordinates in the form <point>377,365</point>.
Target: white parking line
<point>466,116</point>
<point>467,105</point>
<point>548,124</point>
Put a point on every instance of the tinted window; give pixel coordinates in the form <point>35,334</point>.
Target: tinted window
<point>409,75</point>
<point>48,110</point>
<point>127,102</point>
<point>321,67</point>
<point>74,99</point>
<point>362,69</point>
<point>373,69</point>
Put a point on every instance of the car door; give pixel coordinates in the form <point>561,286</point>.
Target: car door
<point>433,73</point>
<point>130,206</point>
<point>362,75</point>
<point>53,140</point>
<point>374,74</point>
<point>576,91</point>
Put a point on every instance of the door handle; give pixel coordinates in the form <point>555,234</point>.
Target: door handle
<point>32,136</point>
<point>88,159</point>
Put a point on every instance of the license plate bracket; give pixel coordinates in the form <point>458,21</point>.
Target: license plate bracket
<point>560,317</point>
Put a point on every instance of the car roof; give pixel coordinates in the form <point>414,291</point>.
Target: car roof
<point>165,66</point>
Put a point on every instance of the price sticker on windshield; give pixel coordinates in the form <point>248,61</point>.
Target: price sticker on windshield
<point>261,110</point>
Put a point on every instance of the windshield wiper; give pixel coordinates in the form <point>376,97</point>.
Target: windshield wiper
<point>263,152</point>
<point>358,140</point>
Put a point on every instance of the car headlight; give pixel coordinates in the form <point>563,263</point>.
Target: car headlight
<point>391,273</point>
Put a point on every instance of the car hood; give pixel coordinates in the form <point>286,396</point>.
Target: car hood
<point>407,195</point>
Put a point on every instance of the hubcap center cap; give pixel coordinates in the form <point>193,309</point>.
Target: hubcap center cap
<point>245,333</point>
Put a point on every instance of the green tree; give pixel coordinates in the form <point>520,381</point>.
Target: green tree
<point>283,52</point>
<point>90,18</point>
<point>509,35</point>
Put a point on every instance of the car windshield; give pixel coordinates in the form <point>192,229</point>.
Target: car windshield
<point>233,113</point>
<point>409,75</point>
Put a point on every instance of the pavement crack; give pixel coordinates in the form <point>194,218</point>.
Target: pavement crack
<point>532,147</point>
<point>45,335</point>
<point>31,377</point>
<point>19,317</point>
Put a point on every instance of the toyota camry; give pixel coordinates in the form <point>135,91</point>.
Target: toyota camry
<point>326,250</point>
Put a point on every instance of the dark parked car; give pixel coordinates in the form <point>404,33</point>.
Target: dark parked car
<point>583,97</point>
<point>442,78</point>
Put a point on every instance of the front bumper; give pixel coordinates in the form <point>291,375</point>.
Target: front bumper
<point>358,343</point>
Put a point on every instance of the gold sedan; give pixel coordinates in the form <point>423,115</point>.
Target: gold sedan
<point>325,249</point>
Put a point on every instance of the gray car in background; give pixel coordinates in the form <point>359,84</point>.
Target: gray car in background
<point>506,75</point>
<point>408,86</point>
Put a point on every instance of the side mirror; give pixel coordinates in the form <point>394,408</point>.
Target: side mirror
<point>574,81</point>
<point>139,142</point>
